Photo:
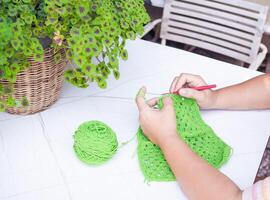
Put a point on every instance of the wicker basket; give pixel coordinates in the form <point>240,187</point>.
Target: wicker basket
<point>40,83</point>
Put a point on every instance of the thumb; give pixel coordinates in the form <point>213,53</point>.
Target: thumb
<point>191,93</point>
<point>168,103</point>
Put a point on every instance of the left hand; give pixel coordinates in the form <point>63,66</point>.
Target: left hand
<point>158,125</point>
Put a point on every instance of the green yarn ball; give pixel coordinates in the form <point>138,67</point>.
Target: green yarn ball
<point>95,142</point>
<point>193,130</point>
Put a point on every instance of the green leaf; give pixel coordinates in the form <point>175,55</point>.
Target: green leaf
<point>69,54</point>
<point>131,35</point>
<point>74,21</point>
<point>82,8</point>
<point>57,58</point>
<point>10,102</point>
<point>97,31</point>
<point>23,7</point>
<point>61,10</point>
<point>7,89</point>
<point>24,65</point>
<point>24,102</point>
<point>102,84</point>
<point>51,20</point>
<point>91,39</point>
<point>20,22</point>
<point>113,60</point>
<point>5,32</point>
<point>38,57</point>
<point>2,106</point>
<point>12,11</point>
<point>89,69</point>
<point>124,54</point>
<point>78,61</point>
<point>69,73</point>
<point>116,74</point>
<point>27,51</point>
<point>28,19</point>
<point>75,31</point>
<point>94,7</point>
<point>96,50</point>
<point>86,18</point>
<point>107,41</point>
<point>89,51</point>
<point>124,24</point>
<point>3,59</point>
<point>15,67</point>
<point>1,76</point>
<point>71,42</point>
<point>9,52</point>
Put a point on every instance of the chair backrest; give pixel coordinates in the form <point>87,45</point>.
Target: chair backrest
<point>230,27</point>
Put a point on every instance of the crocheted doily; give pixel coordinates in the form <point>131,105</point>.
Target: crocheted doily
<point>193,130</point>
<point>94,142</point>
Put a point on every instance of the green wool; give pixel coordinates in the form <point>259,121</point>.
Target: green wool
<point>95,142</point>
<point>193,130</point>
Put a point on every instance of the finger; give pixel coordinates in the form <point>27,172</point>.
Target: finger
<point>168,103</point>
<point>191,93</point>
<point>173,84</point>
<point>189,80</point>
<point>181,82</point>
<point>141,92</point>
<point>152,102</point>
<point>140,99</point>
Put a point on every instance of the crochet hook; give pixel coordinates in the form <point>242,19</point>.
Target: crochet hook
<point>199,88</point>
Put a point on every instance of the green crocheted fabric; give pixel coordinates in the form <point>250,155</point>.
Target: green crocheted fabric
<point>193,130</point>
<point>94,142</point>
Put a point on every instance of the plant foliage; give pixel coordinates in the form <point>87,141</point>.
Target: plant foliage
<point>93,33</point>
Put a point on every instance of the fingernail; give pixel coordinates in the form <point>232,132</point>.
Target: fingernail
<point>141,92</point>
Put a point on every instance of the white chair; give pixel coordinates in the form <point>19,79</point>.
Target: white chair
<point>230,27</point>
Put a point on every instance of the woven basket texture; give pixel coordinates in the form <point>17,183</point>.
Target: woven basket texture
<point>40,83</point>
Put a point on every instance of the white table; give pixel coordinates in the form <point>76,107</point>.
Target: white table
<point>37,161</point>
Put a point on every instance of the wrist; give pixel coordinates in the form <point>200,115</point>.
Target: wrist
<point>213,100</point>
<point>169,141</point>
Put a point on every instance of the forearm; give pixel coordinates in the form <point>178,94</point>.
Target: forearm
<point>251,94</point>
<point>196,177</point>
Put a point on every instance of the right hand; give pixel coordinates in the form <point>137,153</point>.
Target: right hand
<point>205,99</point>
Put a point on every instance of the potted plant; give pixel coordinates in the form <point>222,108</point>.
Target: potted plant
<point>37,36</point>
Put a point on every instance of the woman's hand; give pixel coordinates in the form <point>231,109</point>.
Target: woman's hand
<point>181,84</point>
<point>158,125</point>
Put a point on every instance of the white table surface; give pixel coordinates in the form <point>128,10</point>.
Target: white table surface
<point>37,161</point>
